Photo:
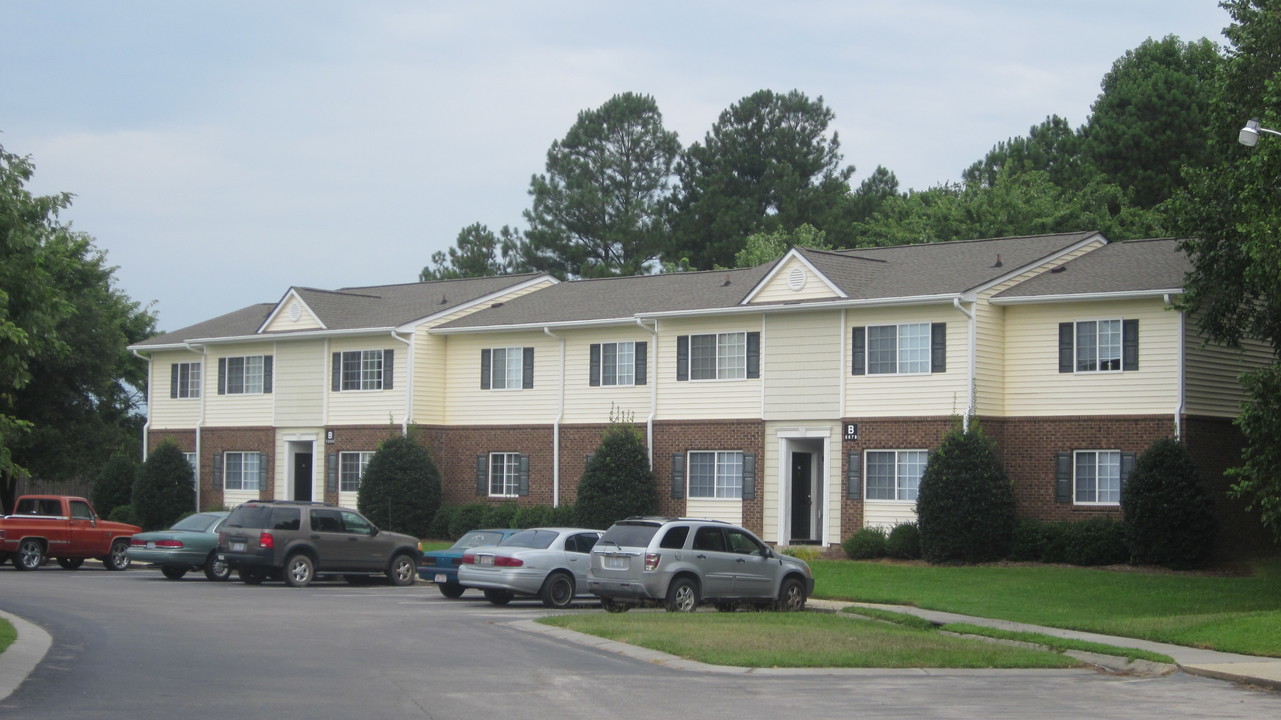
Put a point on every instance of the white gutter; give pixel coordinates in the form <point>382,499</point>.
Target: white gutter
<point>146,426</point>
<point>523,327</point>
<point>1183,364</point>
<point>560,415</point>
<point>971,404</point>
<point>653,391</point>
<point>200,420</point>
<point>1086,297</point>
<point>409,384</point>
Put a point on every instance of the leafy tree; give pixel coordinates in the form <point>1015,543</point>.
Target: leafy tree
<point>767,163</point>
<point>965,503</point>
<point>165,489</point>
<point>1052,147</point>
<point>762,247</point>
<point>1231,215</point>
<point>872,193</point>
<point>69,388</point>
<point>113,485</point>
<point>400,489</point>
<point>1153,116</point>
<point>600,208</point>
<point>1169,515</point>
<point>477,253</point>
<point>618,481</point>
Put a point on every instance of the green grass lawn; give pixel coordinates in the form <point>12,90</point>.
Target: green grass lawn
<point>7,634</point>
<point>1234,614</point>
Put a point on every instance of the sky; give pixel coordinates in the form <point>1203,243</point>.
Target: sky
<point>223,152</point>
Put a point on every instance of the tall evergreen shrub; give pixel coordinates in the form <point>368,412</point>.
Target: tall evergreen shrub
<point>618,481</point>
<point>165,489</point>
<point>113,485</point>
<point>1169,515</point>
<point>400,489</point>
<point>965,506</point>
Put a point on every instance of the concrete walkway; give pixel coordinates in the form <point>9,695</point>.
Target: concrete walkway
<point>23,655</point>
<point>1247,669</point>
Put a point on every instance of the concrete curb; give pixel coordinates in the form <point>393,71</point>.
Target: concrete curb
<point>17,662</point>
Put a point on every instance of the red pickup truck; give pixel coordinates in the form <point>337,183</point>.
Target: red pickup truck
<point>65,528</point>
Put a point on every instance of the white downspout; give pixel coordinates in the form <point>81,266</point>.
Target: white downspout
<point>1183,378</point>
<point>409,383</point>
<point>560,415</point>
<point>200,421</point>
<point>971,391</point>
<point>146,426</point>
<point>653,390</point>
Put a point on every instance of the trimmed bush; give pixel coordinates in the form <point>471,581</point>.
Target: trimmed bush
<point>165,488</point>
<point>1096,541</point>
<point>124,514</point>
<point>440,523</point>
<point>467,517</point>
<point>500,516</point>
<point>1169,515</point>
<point>113,486</point>
<point>866,543</point>
<point>563,516</point>
<point>904,542</point>
<point>532,516</point>
<point>618,481</point>
<point>1029,541</point>
<point>965,506</point>
<point>400,488</point>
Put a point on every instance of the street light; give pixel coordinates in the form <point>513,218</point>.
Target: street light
<point>1250,133</point>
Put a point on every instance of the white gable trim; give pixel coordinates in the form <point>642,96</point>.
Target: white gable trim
<point>778,267</point>
<point>412,325</point>
<point>292,294</point>
<point>1092,239</point>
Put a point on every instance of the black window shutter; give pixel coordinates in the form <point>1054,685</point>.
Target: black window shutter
<point>594,362</point>
<point>266,373</point>
<point>527,367</point>
<point>222,376</point>
<point>331,472</point>
<point>1130,344</point>
<point>749,476</point>
<point>1063,476</point>
<point>1127,466</point>
<point>262,471</point>
<point>482,474</point>
<point>642,362</point>
<point>173,380</point>
<point>1067,351</point>
<point>682,357</point>
<point>753,354</point>
<point>678,476</point>
<point>336,383</point>
<point>858,351</point>
<point>854,476</point>
<point>217,468</point>
<point>389,367</point>
<point>523,478</point>
<point>938,347</point>
<point>484,369</point>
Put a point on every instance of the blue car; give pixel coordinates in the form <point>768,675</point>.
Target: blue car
<point>441,566</point>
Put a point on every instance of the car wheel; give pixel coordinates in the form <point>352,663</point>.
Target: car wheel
<point>119,557</point>
<point>727,607</point>
<point>403,571</point>
<point>558,590</point>
<point>70,563</point>
<point>215,569</point>
<point>453,591</point>
<point>791,597</point>
<point>173,573</point>
<point>30,555</point>
<point>498,597</point>
<point>682,595</point>
<point>252,576</point>
<point>613,606</point>
<point>299,570</point>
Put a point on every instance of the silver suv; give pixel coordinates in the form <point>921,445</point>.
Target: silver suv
<point>681,563</point>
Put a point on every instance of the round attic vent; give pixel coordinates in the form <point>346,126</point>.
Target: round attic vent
<point>796,279</point>
<point>295,311</point>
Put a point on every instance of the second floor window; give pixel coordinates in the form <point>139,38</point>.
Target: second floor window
<point>907,349</point>
<point>363,370</point>
<point>718,356</point>
<point>1092,346</point>
<point>184,380</point>
<point>248,375</point>
<point>617,363</point>
<point>509,368</point>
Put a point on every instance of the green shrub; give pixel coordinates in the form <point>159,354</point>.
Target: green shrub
<point>866,543</point>
<point>500,516</point>
<point>564,515</point>
<point>165,488</point>
<point>904,542</point>
<point>965,506</point>
<point>124,514</point>
<point>808,553</point>
<point>113,486</point>
<point>440,523</point>
<point>618,481</point>
<point>1029,541</point>
<point>400,488</point>
<point>530,516</point>
<point>467,517</point>
<point>1096,541</point>
<point>1169,515</point>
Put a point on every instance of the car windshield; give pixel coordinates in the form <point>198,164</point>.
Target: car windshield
<point>199,522</point>
<point>629,535</point>
<point>539,539</point>
<point>476,539</point>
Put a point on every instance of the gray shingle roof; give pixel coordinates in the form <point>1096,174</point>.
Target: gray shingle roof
<point>1120,267</point>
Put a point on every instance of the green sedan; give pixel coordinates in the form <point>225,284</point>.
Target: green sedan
<point>191,544</point>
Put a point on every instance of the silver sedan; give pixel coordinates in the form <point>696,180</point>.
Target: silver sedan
<point>547,563</point>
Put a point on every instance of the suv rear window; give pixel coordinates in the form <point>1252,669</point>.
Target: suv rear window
<point>629,535</point>
<point>263,516</point>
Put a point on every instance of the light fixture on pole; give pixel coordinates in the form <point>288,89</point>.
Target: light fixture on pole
<point>1250,133</point>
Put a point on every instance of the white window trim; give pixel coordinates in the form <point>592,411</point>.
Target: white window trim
<point>363,463</point>
<point>194,388</point>
<point>689,475</point>
<point>342,369</point>
<point>898,350</point>
<point>690,360</point>
<point>226,465</point>
<point>512,481</point>
<point>1096,503</point>
<point>897,452</point>
<point>631,365</point>
<point>520,375</point>
<point>262,375</point>
<point>1076,346</point>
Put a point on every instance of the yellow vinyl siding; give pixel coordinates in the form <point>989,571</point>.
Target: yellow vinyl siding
<point>730,511</point>
<point>300,374</point>
<point>1212,377</point>
<point>238,410</point>
<point>284,322</point>
<point>888,513</point>
<point>165,412</point>
<point>704,399</point>
<point>928,394</point>
<point>801,365</point>
<point>468,404</point>
<point>364,407</point>
<point>587,404</point>
<point>1034,386</point>
<point>779,288</point>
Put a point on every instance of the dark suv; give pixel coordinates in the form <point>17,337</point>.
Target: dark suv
<point>296,541</point>
<point>681,563</point>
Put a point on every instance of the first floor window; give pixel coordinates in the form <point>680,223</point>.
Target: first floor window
<point>191,459</point>
<point>351,468</point>
<point>716,474</point>
<point>241,470</point>
<point>895,474</point>
<point>184,380</point>
<point>1098,477</point>
<point>504,474</point>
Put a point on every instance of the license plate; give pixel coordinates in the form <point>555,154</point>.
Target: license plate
<point>615,562</point>
<point>485,560</point>
<point>440,577</point>
<point>151,544</point>
<point>237,547</point>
